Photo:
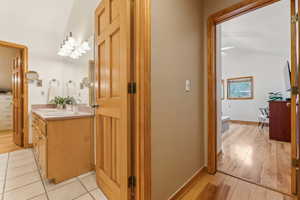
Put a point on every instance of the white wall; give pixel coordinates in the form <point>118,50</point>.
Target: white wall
<point>268,73</point>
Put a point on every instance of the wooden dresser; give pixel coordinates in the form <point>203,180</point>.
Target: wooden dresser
<point>6,110</point>
<point>280,120</point>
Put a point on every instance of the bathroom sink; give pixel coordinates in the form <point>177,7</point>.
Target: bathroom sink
<point>56,113</point>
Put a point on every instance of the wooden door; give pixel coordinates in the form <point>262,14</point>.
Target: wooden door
<point>17,82</point>
<point>113,117</point>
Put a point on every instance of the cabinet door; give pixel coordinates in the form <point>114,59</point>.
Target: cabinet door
<point>43,155</point>
<point>35,139</point>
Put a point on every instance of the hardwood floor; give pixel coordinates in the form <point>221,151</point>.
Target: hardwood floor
<point>249,154</point>
<point>224,187</point>
<point>6,142</point>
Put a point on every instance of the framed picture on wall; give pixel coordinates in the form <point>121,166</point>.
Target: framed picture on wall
<point>222,90</point>
<point>240,88</point>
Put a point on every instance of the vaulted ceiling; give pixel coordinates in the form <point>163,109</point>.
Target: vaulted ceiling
<point>264,30</point>
<point>40,24</point>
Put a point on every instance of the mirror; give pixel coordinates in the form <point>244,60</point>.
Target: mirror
<point>77,80</point>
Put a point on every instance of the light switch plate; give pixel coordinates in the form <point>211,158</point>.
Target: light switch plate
<point>188,85</point>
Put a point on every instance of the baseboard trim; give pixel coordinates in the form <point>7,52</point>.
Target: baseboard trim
<point>246,122</point>
<point>188,185</point>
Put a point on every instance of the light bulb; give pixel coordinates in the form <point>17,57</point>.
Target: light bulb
<point>85,46</point>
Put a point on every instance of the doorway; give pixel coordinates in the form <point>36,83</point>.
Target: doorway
<point>13,97</point>
<point>254,112</point>
<point>239,89</point>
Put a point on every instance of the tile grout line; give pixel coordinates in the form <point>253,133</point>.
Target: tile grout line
<point>14,177</point>
<point>19,166</point>
<point>82,196</point>
<point>23,186</point>
<point>85,188</point>
<point>40,175</point>
<point>34,197</point>
<point>5,176</point>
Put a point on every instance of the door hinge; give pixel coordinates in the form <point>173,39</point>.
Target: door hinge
<point>295,90</point>
<point>295,163</point>
<point>295,19</point>
<point>132,185</point>
<point>132,88</point>
<point>131,181</point>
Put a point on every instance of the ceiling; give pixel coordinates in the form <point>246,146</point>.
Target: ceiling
<point>39,24</point>
<point>264,30</point>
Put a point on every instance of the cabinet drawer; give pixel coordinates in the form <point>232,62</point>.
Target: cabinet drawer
<point>43,155</point>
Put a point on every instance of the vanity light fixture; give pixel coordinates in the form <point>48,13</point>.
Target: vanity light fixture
<point>72,48</point>
<point>227,48</point>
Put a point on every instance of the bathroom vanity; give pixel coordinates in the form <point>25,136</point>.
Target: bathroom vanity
<point>62,143</point>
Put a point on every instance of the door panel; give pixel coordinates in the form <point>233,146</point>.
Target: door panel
<point>113,71</point>
<point>17,80</point>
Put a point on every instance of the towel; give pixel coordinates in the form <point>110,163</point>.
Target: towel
<point>71,90</point>
<point>53,90</point>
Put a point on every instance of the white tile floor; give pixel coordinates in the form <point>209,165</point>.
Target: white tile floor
<point>20,179</point>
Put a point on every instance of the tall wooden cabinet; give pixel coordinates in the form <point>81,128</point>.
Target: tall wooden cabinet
<point>280,120</point>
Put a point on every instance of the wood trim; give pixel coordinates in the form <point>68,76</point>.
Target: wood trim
<point>294,151</point>
<point>212,103</point>
<point>246,122</point>
<point>240,78</point>
<point>188,185</point>
<point>12,45</point>
<point>24,52</point>
<point>238,9</point>
<point>142,65</point>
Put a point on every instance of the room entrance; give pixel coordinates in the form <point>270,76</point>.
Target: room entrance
<point>13,97</point>
<point>252,73</point>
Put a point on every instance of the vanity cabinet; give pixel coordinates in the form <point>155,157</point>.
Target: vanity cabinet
<point>62,146</point>
<point>40,143</point>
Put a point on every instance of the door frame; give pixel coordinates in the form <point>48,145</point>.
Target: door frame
<point>142,99</point>
<point>226,14</point>
<point>24,53</point>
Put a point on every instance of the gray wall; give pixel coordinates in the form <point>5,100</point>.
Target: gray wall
<point>177,116</point>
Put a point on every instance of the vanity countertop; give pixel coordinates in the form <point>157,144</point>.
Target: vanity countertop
<point>57,114</point>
